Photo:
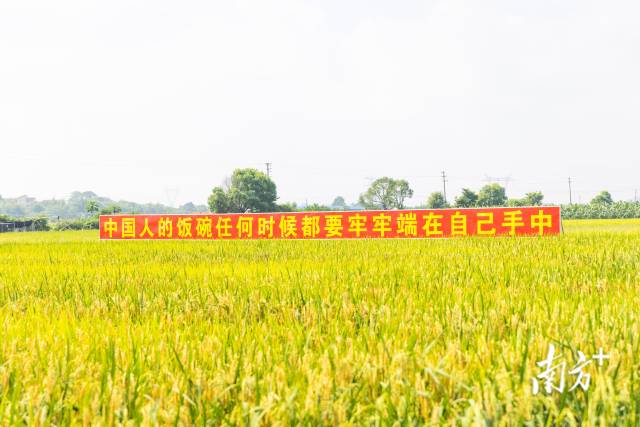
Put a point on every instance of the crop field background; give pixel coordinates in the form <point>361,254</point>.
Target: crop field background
<point>322,332</point>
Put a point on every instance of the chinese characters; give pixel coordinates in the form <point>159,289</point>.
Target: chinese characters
<point>407,224</point>
<point>553,378</point>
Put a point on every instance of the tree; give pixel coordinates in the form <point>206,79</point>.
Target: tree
<point>218,201</point>
<point>386,193</point>
<point>316,207</point>
<point>92,207</point>
<point>249,190</point>
<point>14,210</point>
<point>436,201</point>
<point>516,203</point>
<point>286,207</point>
<point>467,199</point>
<point>492,195</point>
<point>402,192</point>
<point>604,198</point>
<point>529,199</point>
<point>111,210</point>
<point>339,203</point>
<point>78,200</point>
<point>534,198</point>
<point>188,208</point>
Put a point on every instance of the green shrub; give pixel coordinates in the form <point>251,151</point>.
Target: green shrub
<point>616,210</point>
<point>76,224</point>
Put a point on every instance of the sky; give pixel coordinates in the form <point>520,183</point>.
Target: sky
<point>159,101</point>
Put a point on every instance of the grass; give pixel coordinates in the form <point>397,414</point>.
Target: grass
<point>326,332</point>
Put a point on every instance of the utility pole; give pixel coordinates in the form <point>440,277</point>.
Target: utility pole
<point>635,195</point>
<point>268,169</point>
<point>570,195</point>
<point>444,186</point>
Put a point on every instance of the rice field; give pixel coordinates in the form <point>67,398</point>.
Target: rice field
<point>444,332</point>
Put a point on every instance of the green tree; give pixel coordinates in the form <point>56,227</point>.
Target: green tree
<point>92,207</point>
<point>111,210</point>
<point>604,198</point>
<point>436,201</point>
<point>516,203</point>
<point>286,207</point>
<point>249,190</point>
<point>529,199</point>
<point>189,208</point>
<point>467,199</point>
<point>339,203</point>
<point>77,203</point>
<point>15,210</point>
<point>534,198</point>
<point>218,201</point>
<point>492,195</point>
<point>386,193</point>
<point>316,207</point>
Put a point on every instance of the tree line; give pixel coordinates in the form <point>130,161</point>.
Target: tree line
<point>249,190</point>
<point>79,211</point>
<point>81,204</point>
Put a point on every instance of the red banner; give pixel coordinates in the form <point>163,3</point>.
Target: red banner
<point>433,223</point>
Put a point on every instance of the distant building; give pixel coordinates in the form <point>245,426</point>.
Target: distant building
<point>16,226</point>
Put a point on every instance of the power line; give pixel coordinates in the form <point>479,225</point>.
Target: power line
<point>444,186</point>
<point>171,195</point>
<point>493,179</point>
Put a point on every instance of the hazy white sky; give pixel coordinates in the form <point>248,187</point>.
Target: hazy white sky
<point>159,101</point>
